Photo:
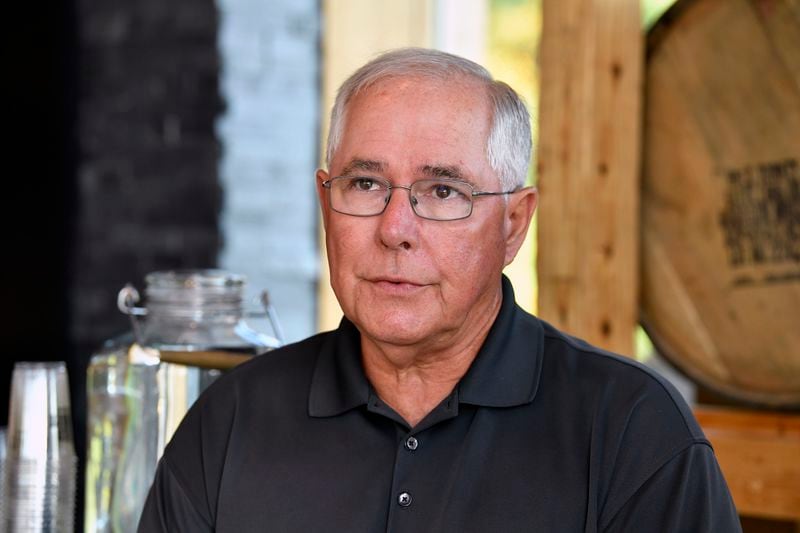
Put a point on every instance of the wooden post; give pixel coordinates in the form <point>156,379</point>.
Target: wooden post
<point>588,167</point>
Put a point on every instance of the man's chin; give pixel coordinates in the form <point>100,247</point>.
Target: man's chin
<point>397,332</point>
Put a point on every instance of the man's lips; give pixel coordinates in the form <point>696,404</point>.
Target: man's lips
<point>395,285</point>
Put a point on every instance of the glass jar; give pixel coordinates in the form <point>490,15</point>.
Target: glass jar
<point>141,384</point>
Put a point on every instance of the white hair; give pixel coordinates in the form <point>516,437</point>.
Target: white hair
<point>508,147</point>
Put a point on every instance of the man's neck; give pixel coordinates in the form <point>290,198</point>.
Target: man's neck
<point>413,380</point>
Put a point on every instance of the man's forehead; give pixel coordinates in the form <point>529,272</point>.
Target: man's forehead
<point>448,87</point>
<point>443,133</point>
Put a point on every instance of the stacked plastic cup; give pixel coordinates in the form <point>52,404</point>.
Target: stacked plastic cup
<point>39,471</point>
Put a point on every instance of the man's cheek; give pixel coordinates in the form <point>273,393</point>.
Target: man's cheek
<point>344,241</point>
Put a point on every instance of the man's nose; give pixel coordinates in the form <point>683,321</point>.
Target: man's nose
<point>398,223</point>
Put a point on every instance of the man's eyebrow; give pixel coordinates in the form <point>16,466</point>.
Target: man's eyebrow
<point>368,165</point>
<point>443,171</point>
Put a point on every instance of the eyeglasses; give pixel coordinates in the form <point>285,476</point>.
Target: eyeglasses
<point>432,199</point>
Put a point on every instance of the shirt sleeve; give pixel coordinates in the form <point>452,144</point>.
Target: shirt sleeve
<point>169,508</point>
<point>688,493</point>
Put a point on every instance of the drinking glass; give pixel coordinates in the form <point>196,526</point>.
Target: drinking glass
<point>39,470</point>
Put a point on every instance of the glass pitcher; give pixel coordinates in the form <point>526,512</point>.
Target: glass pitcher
<point>141,384</point>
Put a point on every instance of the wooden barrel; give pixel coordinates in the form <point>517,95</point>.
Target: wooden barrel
<point>721,196</point>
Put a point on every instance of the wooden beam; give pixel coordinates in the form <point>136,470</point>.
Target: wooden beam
<point>588,168</point>
<point>759,453</point>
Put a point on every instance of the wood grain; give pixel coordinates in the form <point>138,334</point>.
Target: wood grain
<point>759,453</point>
<point>588,166</point>
<point>720,204</point>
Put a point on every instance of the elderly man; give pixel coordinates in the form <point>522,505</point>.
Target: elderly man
<point>438,404</point>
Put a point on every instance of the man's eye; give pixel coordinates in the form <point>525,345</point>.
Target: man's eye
<point>443,192</point>
<point>363,184</point>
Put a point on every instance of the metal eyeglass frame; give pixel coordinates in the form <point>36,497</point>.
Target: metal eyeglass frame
<point>412,200</point>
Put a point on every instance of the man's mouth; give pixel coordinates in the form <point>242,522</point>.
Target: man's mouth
<point>396,285</point>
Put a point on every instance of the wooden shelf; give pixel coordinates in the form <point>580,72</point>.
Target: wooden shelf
<point>759,453</point>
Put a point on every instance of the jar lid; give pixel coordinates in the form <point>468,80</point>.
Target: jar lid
<point>189,292</point>
<point>193,278</point>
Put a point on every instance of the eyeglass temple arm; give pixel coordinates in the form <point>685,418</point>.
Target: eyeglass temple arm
<point>483,193</point>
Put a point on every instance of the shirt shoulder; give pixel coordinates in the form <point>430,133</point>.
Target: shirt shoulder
<point>244,401</point>
<point>260,386</point>
<point>636,422</point>
<point>618,385</point>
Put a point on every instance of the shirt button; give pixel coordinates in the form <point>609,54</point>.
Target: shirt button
<point>412,443</point>
<point>404,499</point>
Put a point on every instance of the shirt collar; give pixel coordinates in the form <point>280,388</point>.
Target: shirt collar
<point>339,383</point>
<point>505,372</point>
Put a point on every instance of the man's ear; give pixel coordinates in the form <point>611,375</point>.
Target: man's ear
<point>322,196</point>
<point>521,206</point>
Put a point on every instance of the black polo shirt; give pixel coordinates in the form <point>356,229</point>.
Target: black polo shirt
<point>543,433</point>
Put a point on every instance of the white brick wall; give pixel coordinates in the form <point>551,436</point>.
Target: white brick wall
<point>269,132</point>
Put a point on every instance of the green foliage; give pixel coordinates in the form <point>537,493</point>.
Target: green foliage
<point>652,10</point>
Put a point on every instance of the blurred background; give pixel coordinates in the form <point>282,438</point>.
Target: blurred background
<point>150,135</point>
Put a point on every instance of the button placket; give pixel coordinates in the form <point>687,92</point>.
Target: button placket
<point>404,499</point>
<point>404,462</point>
